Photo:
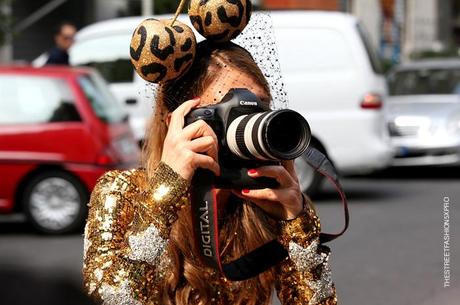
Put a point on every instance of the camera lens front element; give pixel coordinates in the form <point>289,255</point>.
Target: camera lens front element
<point>271,135</point>
<point>286,134</point>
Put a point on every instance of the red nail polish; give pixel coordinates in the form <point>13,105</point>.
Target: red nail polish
<point>245,191</point>
<point>252,172</point>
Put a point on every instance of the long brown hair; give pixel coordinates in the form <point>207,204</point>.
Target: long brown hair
<point>244,226</point>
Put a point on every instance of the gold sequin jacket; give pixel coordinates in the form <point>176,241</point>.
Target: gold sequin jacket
<point>127,232</point>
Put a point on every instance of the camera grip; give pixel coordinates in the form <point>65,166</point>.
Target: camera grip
<point>238,178</point>
<point>233,178</point>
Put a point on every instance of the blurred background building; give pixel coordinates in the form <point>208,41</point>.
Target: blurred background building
<point>400,29</point>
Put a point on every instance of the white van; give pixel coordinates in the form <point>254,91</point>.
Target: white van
<point>332,75</point>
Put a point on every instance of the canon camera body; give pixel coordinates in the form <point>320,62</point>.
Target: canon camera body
<point>251,135</point>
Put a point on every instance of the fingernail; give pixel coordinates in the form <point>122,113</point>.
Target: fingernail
<point>245,191</point>
<point>196,98</point>
<point>252,172</point>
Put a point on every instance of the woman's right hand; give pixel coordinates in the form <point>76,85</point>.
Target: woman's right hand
<point>186,149</point>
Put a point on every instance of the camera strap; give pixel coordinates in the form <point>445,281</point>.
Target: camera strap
<point>320,163</point>
<point>206,227</point>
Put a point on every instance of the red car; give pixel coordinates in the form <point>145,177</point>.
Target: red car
<point>60,130</point>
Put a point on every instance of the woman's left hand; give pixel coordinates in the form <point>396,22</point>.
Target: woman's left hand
<point>284,202</point>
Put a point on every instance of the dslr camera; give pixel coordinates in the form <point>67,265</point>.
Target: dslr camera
<point>251,135</point>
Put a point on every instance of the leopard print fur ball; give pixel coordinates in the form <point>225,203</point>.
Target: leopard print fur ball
<point>220,20</point>
<point>161,52</point>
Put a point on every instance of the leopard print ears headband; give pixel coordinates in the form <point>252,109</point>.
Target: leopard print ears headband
<point>163,50</point>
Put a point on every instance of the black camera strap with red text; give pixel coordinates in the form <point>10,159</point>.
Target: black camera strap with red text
<point>206,228</point>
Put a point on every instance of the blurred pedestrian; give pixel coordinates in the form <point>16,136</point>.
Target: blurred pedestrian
<point>63,38</point>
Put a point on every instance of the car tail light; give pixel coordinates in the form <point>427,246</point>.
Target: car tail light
<point>105,158</point>
<point>372,101</point>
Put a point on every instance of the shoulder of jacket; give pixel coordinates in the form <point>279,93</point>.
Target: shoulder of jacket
<point>124,181</point>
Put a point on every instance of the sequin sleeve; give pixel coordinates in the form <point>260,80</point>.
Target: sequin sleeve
<point>126,234</point>
<point>305,276</point>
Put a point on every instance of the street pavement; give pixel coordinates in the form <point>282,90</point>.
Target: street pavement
<point>392,253</point>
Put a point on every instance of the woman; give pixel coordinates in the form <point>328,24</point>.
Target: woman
<point>139,245</point>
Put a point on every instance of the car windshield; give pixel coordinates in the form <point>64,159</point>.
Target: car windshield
<point>374,58</point>
<point>102,101</point>
<point>108,55</point>
<point>426,81</point>
<point>32,99</point>
<point>321,49</point>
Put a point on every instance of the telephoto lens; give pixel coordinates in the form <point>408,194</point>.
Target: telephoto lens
<point>270,136</point>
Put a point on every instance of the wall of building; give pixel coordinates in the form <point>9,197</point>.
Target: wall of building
<point>38,38</point>
<point>421,26</point>
<point>330,5</point>
<point>370,14</point>
<point>397,28</point>
<point>107,9</point>
<point>428,25</point>
<point>6,50</point>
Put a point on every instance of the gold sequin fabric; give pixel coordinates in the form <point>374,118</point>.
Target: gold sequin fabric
<point>126,257</point>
